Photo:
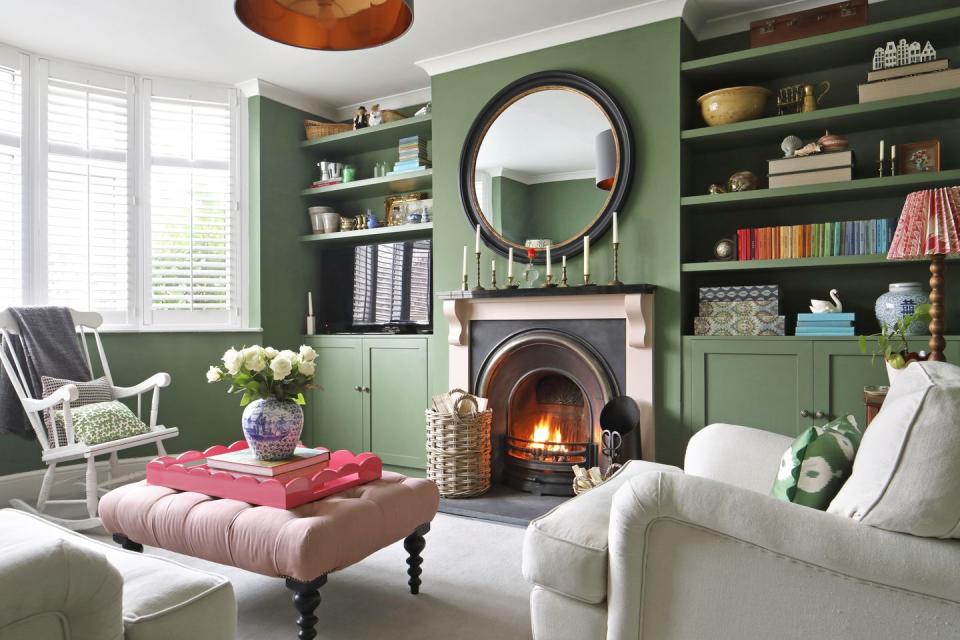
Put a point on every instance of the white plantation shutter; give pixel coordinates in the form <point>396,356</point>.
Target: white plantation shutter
<point>11,200</point>
<point>87,196</point>
<point>192,219</point>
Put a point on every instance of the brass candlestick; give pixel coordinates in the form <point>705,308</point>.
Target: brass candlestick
<point>563,276</point>
<point>616,266</point>
<point>880,164</point>
<point>586,280</point>
<point>493,279</point>
<point>479,286</point>
<point>549,281</point>
<point>466,284</point>
<point>511,284</point>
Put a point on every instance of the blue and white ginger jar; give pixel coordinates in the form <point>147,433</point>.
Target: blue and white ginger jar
<point>272,428</point>
<point>902,299</point>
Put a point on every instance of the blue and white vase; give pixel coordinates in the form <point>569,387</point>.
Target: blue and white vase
<point>902,299</point>
<point>272,428</point>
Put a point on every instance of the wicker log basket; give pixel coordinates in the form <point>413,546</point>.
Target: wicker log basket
<point>458,445</point>
<point>316,129</point>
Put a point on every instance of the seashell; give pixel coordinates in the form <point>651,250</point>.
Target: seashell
<point>790,145</point>
<point>807,150</point>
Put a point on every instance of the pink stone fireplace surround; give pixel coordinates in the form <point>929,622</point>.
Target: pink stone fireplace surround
<point>636,309</point>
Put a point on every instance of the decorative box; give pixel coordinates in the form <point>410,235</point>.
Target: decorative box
<point>835,166</point>
<point>738,307</point>
<point>761,324</point>
<point>812,22</point>
<point>760,293</point>
<point>187,472</point>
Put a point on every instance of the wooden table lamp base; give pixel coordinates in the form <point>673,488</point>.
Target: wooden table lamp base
<point>937,343</point>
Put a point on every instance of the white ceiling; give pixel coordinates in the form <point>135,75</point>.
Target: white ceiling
<point>203,40</point>
<point>544,133</point>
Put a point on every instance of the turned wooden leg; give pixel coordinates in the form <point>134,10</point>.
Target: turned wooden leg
<point>937,343</point>
<point>414,544</point>
<point>127,543</point>
<point>306,598</point>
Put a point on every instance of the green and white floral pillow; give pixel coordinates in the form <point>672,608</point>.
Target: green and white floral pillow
<point>103,422</point>
<point>817,464</point>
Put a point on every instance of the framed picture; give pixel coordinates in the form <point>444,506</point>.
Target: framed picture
<point>918,157</point>
<point>395,208</point>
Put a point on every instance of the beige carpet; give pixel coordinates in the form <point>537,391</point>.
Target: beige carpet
<point>472,589</point>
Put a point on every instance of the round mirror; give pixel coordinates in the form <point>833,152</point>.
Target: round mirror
<point>547,161</point>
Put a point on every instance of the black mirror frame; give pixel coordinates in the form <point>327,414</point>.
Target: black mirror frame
<point>623,137</point>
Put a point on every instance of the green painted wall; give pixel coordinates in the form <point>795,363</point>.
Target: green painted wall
<point>640,68</point>
<point>204,413</point>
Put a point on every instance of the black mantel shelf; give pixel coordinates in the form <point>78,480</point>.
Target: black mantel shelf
<point>544,292</point>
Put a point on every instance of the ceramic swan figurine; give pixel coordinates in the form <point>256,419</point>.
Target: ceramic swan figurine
<point>825,306</point>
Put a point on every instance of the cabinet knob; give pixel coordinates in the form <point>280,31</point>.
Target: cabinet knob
<point>358,388</point>
<point>804,413</point>
<point>366,389</point>
<point>820,415</point>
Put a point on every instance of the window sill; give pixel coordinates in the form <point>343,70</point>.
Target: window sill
<point>184,329</point>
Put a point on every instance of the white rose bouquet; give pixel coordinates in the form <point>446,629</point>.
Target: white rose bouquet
<point>264,372</point>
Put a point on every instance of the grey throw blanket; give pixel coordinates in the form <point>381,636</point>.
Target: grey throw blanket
<point>47,346</point>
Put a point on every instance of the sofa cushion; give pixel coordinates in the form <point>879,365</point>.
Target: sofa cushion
<point>906,477</point>
<point>565,550</point>
<point>817,464</point>
<point>162,599</point>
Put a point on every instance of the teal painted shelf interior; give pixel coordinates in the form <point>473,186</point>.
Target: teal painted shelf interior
<point>373,187</point>
<point>380,234</point>
<point>382,136</point>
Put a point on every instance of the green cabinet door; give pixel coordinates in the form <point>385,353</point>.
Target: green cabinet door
<point>396,395</point>
<point>336,410</point>
<point>764,383</point>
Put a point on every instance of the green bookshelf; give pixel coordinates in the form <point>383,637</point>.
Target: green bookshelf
<point>373,187</point>
<point>382,136</point>
<point>380,234</point>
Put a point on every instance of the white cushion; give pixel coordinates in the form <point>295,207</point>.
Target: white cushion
<point>565,551</point>
<point>906,476</point>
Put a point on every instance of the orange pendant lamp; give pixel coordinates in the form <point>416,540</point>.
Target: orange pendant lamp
<point>329,25</point>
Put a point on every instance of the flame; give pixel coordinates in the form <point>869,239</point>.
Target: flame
<point>546,436</point>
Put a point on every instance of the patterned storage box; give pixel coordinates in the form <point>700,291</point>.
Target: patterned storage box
<point>738,308</point>
<point>759,324</point>
<point>758,293</point>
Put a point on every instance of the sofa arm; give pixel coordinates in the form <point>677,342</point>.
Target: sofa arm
<point>740,456</point>
<point>65,581</point>
<point>695,558</point>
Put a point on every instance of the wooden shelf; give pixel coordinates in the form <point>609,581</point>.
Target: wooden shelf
<point>937,105</point>
<point>863,189</point>
<point>373,187</point>
<point>827,262</point>
<point>380,234</point>
<point>382,136</point>
<point>852,46</point>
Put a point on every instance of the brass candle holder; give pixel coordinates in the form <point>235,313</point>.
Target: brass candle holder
<point>549,283</point>
<point>511,284</point>
<point>479,286</point>
<point>563,276</point>
<point>616,266</point>
<point>466,283</point>
<point>493,279</point>
<point>586,280</point>
<point>880,164</point>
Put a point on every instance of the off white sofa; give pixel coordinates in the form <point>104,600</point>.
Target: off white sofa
<point>56,584</point>
<point>659,553</point>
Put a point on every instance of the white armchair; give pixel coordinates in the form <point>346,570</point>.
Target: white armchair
<point>706,553</point>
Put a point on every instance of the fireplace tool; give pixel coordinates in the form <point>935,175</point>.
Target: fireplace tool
<point>618,418</point>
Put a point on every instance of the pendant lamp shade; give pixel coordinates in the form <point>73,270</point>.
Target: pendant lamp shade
<point>329,25</point>
<point>929,226</point>
<point>605,159</point>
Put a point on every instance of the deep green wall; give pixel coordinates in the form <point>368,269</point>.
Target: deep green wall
<point>204,413</point>
<point>640,68</point>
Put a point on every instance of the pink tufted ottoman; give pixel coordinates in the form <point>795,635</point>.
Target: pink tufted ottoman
<point>302,545</point>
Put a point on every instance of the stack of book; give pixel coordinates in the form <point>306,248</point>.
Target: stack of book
<point>831,166</point>
<point>739,311</point>
<point>825,324</point>
<point>413,155</point>
<point>848,238</point>
<point>304,462</point>
<point>908,80</point>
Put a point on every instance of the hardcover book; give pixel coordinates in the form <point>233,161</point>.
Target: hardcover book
<point>800,178</point>
<point>243,461</point>
<point>908,70</point>
<point>910,86</point>
<point>829,160</point>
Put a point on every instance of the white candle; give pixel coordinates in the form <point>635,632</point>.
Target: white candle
<point>493,267</point>
<point>476,243</point>
<point>616,230</point>
<point>464,261</point>
<point>309,303</point>
<point>510,264</point>
<point>564,262</point>
<point>548,260</point>
<point>586,255</point>
<point>893,152</point>
<point>881,150</point>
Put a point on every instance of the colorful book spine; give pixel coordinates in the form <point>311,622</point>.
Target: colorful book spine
<point>849,238</point>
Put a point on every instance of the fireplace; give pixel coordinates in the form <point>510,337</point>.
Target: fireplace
<point>546,388</point>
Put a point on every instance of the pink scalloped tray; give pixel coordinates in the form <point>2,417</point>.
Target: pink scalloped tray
<point>186,472</point>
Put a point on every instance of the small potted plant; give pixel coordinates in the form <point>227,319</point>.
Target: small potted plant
<point>272,383</point>
<point>893,344</point>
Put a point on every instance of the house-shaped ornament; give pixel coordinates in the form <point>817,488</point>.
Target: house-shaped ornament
<point>902,53</point>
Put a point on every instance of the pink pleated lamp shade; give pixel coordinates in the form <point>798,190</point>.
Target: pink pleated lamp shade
<point>929,225</point>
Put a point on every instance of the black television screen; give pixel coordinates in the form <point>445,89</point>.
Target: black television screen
<point>392,284</point>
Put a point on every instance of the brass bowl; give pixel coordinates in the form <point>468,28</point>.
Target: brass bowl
<point>733,104</point>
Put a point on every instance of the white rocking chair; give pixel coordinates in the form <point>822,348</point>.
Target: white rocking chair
<point>73,450</point>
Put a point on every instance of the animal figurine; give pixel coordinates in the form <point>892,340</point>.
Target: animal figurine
<point>825,306</point>
<point>424,110</point>
<point>376,116</point>
<point>361,120</point>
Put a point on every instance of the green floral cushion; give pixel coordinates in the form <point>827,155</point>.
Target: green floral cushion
<point>818,462</point>
<point>103,422</point>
